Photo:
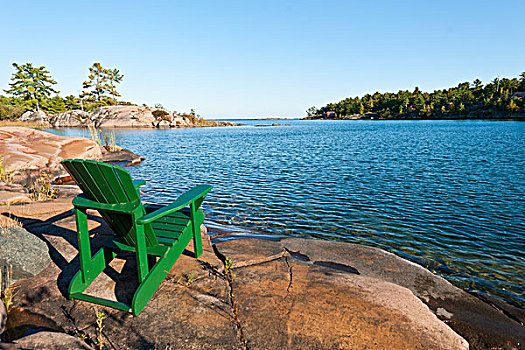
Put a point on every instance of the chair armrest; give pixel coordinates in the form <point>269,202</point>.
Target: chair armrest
<point>183,201</point>
<point>138,183</point>
<point>82,202</point>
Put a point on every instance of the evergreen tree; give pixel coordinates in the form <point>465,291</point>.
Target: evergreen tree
<point>477,84</point>
<point>33,84</point>
<point>54,105</point>
<point>97,85</point>
<point>102,82</point>
<point>72,102</point>
<point>114,78</point>
<point>311,111</point>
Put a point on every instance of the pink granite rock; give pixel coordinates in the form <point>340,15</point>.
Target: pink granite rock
<point>28,152</point>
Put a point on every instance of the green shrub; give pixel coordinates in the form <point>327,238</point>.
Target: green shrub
<point>10,112</point>
<point>159,113</point>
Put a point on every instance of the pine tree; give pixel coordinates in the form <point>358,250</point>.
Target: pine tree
<point>114,78</point>
<point>101,82</point>
<point>32,84</point>
<point>97,85</point>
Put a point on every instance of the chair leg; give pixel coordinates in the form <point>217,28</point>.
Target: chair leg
<point>159,272</point>
<point>84,248</point>
<point>141,253</point>
<point>196,229</point>
<point>90,268</point>
<point>99,262</point>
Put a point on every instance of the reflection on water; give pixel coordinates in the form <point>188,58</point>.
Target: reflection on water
<point>446,194</point>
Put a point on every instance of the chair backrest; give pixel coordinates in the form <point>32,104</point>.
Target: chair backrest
<point>109,184</point>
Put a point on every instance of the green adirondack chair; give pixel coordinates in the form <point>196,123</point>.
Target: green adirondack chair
<point>162,231</point>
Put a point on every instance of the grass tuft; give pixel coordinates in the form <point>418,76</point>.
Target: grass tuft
<point>41,189</point>
<point>7,289</point>
<point>6,175</point>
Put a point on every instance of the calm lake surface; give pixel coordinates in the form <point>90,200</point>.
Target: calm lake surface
<point>449,195</point>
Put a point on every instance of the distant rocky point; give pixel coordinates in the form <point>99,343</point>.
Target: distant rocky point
<point>118,117</point>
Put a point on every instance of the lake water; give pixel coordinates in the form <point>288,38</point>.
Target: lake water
<point>449,195</point>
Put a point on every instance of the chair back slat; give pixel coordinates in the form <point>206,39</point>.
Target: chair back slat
<point>69,165</point>
<point>109,175</point>
<point>105,186</point>
<point>126,183</point>
<point>84,171</point>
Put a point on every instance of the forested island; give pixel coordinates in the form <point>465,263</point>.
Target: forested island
<point>499,99</point>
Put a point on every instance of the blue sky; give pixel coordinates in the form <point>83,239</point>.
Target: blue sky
<point>235,59</point>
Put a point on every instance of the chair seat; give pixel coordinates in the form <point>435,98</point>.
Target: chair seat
<point>168,229</point>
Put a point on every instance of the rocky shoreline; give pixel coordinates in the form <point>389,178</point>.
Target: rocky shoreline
<point>287,293</point>
<point>118,117</point>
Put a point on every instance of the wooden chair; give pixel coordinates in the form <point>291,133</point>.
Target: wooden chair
<point>162,231</point>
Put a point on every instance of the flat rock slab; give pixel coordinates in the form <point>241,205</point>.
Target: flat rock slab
<point>9,197</point>
<point>286,303</point>
<point>485,326</point>
<point>123,156</point>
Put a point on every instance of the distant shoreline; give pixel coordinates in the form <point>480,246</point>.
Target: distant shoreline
<point>506,118</point>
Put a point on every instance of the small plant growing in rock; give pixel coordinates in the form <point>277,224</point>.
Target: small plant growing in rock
<point>228,263</point>
<point>6,175</point>
<point>94,134</point>
<point>190,279</point>
<point>110,143</point>
<point>41,189</point>
<point>9,221</point>
<point>100,326</point>
<point>7,290</point>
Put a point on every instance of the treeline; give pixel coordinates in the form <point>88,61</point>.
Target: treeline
<point>33,88</point>
<point>501,98</point>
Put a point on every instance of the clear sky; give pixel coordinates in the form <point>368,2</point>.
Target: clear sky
<point>235,59</point>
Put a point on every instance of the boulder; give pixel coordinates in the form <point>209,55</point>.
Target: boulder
<point>38,117</point>
<point>122,157</point>
<point>163,124</point>
<point>69,119</point>
<point>46,340</point>
<point>24,251</point>
<point>28,152</point>
<point>180,121</point>
<point>122,116</point>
